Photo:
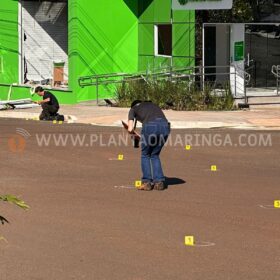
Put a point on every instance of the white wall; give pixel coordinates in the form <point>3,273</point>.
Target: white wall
<point>237,35</point>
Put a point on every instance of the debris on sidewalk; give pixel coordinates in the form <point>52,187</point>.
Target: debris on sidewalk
<point>17,104</point>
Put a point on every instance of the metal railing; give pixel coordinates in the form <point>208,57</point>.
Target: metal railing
<point>191,74</point>
<point>247,80</point>
<point>169,73</point>
<point>275,70</point>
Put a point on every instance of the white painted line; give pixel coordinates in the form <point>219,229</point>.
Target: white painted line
<point>204,244</point>
<point>267,206</point>
<point>116,159</point>
<point>124,187</point>
<point>218,170</point>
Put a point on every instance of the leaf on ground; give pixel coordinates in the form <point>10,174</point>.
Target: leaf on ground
<point>2,238</point>
<point>14,200</point>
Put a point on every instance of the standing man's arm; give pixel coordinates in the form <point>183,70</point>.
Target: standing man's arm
<point>131,120</point>
<point>131,126</point>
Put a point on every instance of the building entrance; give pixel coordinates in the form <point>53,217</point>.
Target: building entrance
<point>262,51</point>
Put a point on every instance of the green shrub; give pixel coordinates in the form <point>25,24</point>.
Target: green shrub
<point>179,95</point>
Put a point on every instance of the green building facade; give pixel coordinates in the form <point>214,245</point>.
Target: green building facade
<point>112,36</point>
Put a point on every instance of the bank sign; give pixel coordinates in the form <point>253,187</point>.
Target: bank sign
<point>201,4</point>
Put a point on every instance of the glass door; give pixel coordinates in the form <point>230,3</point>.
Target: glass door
<point>261,53</point>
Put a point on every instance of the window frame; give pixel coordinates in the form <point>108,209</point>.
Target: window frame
<point>156,35</point>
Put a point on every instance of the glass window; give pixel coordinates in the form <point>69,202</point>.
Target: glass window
<point>163,39</point>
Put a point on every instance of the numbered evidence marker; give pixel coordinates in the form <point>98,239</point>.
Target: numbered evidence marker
<point>189,240</point>
<point>138,184</point>
<point>214,168</point>
<point>188,147</point>
<point>120,157</point>
<point>276,203</point>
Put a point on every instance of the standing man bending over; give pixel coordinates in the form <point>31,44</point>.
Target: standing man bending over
<point>154,134</point>
<point>49,104</point>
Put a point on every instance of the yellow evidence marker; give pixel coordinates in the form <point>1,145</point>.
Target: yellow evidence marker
<point>120,157</point>
<point>276,203</point>
<point>213,167</point>
<point>138,184</point>
<point>60,122</point>
<point>54,122</point>
<point>188,147</point>
<point>189,240</point>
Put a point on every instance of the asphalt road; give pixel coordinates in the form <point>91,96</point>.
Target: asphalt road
<point>88,222</point>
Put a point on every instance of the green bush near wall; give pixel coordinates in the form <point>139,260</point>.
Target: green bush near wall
<point>180,95</point>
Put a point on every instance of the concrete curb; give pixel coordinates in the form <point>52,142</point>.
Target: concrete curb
<point>203,125</point>
<point>34,116</point>
<point>174,124</point>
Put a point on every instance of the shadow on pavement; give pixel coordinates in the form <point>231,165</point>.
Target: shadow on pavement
<point>172,181</point>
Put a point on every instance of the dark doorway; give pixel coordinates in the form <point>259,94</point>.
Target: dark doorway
<point>210,52</point>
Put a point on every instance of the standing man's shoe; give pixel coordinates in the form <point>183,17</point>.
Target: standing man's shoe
<point>146,186</point>
<point>159,186</point>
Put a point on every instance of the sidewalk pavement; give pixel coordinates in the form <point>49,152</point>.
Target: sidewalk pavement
<point>106,116</point>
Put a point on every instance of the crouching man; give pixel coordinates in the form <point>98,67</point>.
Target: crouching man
<point>49,105</point>
<point>154,134</point>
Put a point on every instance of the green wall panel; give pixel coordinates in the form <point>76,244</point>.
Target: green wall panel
<point>146,39</point>
<point>183,40</point>
<point>146,63</point>
<point>162,62</point>
<point>158,11</point>
<point>22,92</point>
<point>183,35</point>
<point>103,38</point>
<point>9,41</point>
<point>184,16</point>
<point>162,11</point>
<point>16,92</point>
<point>183,62</point>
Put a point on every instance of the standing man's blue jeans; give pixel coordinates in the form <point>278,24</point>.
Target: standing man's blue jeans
<point>153,137</point>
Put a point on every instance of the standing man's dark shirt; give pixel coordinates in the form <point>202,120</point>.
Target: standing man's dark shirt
<point>146,112</point>
<point>53,101</point>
